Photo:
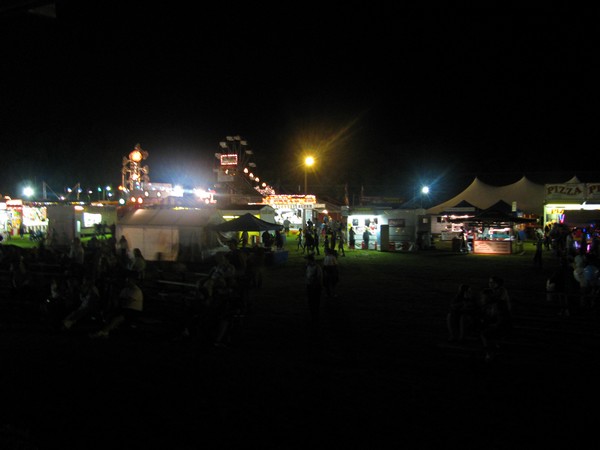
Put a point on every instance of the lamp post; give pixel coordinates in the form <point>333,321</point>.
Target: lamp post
<point>424,191</point>
<point>309,161</point>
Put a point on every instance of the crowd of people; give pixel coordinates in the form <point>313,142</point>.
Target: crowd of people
<point>575,284</point>
<point>102,284</point>
<point>330,233</point>
<point>323,275</point>
<point>572,286</point>
<point>96,281</point>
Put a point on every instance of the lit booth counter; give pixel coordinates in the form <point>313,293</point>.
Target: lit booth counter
<point>493,247</point>
<point>496,241</point>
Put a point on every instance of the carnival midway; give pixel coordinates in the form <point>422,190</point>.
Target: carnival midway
<point>163,218</point>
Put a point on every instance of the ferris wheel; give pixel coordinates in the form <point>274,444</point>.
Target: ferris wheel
<point>234,159</point>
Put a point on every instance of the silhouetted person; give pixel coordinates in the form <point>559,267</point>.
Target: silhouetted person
<point>496,322</point>
<point>123,250</point>
<point>314,283</point>
<point>129,305</point>
<point>461,314</point>
<point>366,237</point>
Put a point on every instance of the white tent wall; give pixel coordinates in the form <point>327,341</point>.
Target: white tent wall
<point>195,244</point>
<point>154,243</point>
<point>170,235</point>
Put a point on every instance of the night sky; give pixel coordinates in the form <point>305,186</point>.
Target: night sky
<point>387,99</point>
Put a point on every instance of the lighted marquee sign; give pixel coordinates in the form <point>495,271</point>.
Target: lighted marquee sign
<point>291,201</point>
<point>229,160</point>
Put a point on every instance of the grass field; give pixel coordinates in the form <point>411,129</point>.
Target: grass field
<point>377,373</point>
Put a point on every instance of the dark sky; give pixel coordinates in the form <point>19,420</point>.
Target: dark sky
<point>386,98</point>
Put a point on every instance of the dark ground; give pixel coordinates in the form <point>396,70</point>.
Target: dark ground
<point>378,373</point>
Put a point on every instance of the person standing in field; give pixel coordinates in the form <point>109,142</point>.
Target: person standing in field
<point>366,236</point>
<point>314,283</point>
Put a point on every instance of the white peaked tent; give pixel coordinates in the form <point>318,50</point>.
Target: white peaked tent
<point>528,195</point>
<point>573,180</point>
<point>170,234</point>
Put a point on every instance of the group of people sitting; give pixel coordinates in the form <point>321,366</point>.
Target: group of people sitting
<point>104,286</point>
<point>223,295</point>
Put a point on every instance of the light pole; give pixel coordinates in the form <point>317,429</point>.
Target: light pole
<point>424,191</point>
<point>309,161</point>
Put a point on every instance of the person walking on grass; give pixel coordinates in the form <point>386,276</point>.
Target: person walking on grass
<point>331,275</point>
<point>341,239</point>
<point>299,240</point>
<point>462,315</point>
<point>496,322</point>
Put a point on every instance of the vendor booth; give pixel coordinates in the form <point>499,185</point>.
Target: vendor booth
<point>16,216</point>
<point>260,211</point>
<point>492,231</point>
<point>71,220</point>
<point>293,211</point>
<point>574,204</point>
<point>387,229</point>
<point>250,223</point>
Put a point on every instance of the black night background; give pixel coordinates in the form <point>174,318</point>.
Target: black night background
<point>388,97</point>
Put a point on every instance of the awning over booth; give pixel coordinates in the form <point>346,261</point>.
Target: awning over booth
<point>500,212</point>
<point>463,207</point>
<point>247,222</point>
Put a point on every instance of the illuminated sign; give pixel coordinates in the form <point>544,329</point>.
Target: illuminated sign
<point>571,191</point>
<point>593,190</point>
<point>229,160</point>
<point>294,200</point>
<point>89,219</point>
<point>34,216</point>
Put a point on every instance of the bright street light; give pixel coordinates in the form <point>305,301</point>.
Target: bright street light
<point>309,161</point>
<point>28,191</point>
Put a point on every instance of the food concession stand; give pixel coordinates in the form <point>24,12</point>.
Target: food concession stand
<point>493,232</point>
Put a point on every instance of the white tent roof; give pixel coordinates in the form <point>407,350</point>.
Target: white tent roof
<point>573,180</point>
<point>528,195</point>
<point>171,217</point>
